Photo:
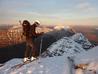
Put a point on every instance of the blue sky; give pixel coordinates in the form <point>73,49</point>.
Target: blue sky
<point>50,11</point>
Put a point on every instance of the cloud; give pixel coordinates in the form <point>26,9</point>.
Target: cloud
<point>85,6</point>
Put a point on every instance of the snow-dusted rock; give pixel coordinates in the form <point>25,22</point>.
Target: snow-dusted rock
<point>81,39</point>
<point>64,46</point>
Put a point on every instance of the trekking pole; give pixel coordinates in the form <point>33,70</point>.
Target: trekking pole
<point>40,47</point>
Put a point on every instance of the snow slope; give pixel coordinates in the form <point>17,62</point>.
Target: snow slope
<point>54,65</point>
<point>89,60</point>
<point>90,55</point>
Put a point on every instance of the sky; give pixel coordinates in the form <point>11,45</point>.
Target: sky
<point>50,12</point>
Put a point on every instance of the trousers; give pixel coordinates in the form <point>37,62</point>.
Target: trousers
<point>30,48</point>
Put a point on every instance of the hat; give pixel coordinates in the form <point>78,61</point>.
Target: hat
<point>36,21</point>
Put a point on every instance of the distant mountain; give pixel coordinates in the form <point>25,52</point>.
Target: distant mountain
<point>90,32</point>
<point>5,27</point>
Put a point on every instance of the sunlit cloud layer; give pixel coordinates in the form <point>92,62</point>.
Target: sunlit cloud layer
<point>49,12</point>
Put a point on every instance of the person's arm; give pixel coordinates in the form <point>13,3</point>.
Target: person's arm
<point>37,34</point>
<point>33,30</point>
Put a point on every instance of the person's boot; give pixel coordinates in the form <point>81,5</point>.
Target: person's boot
<point>32,58</point>
<point>26,60</point>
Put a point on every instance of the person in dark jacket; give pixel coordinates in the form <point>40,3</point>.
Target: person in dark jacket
<point>29,31</point>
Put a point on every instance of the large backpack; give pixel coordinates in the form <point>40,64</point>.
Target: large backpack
<point>26,28</point>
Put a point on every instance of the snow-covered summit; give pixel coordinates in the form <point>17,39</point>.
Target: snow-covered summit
<point>81,39</point>
<point>65,46</point>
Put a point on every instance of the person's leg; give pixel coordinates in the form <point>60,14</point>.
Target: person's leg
<point>27,52</point>
<point>32,51</point>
